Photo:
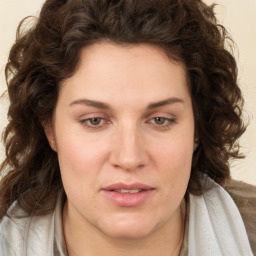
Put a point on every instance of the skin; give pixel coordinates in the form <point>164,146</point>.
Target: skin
<point>128,143</point>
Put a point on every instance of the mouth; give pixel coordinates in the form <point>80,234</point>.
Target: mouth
<point>127,187</point>
<point>128,195</point>
<point>126,191</point>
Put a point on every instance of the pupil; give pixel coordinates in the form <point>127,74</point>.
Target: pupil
<point>159,120</point>
<point>95,121</point>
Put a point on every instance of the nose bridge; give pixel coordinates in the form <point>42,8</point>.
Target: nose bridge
<point>128,152</point>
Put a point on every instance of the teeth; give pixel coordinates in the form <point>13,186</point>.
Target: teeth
<point>125,191</point>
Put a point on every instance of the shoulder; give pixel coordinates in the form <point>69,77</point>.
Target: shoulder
<point>30,235</point>
<point>33,235</point>
<point>13,232</point>
<point>244,196</point>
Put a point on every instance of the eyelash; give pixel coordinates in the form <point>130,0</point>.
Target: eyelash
<point>167,122</point>
<point>86,122</point>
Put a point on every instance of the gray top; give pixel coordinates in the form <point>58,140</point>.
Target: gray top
<point>33,236</point>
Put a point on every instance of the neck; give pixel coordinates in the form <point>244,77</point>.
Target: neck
<point>165,241</point>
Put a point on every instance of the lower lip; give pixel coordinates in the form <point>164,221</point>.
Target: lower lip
<point>128,199</point>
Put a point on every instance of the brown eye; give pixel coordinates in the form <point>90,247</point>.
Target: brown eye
<point>95,121</point>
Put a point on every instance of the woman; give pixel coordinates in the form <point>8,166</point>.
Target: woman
<point>123,117</point>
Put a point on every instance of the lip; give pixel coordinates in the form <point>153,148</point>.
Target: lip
<point>128,199</point>
<point>132,186</point>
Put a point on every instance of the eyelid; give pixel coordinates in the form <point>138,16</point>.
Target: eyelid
<point>85,120</point>
<point>105,120</point>
<point>163,114</point>
<point>170,120</point>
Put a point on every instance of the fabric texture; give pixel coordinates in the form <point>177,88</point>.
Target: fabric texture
<point>213,227</point>
<point>244,196</point>
<point>33,236</point>
<point>215,224</point>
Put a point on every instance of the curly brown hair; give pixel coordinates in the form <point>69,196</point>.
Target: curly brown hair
<point>49,52</point>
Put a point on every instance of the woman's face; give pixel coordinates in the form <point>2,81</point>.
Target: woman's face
<point>123,129</point>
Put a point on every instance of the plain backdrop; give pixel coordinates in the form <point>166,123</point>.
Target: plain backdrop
<point>238,16</point>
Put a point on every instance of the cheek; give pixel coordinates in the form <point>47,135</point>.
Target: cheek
<point>80,159</point>
<point>175,161</point>
<point>173,165</point>
<point>176,153</point>
<point>77,149</point>
<point>80,167</point>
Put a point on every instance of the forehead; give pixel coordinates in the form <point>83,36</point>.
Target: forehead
<point>145,55</point>
<point>108,71</point>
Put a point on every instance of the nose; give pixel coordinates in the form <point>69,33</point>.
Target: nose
<point>128,149</point>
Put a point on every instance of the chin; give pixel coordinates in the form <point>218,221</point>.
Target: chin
<point>129,234</point>
<point>129,228</point>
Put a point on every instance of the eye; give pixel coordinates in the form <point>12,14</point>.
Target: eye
<point>163,123</point>
<point>93,122</point>
<point>160,120</point>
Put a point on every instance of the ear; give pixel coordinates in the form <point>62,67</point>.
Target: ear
<point>49,132</point>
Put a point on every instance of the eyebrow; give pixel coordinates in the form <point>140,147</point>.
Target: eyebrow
<point>102,105</point>
<point>165,102</point>
<point>91,103</point>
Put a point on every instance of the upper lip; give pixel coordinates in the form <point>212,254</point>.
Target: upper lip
<point>132,186</point>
